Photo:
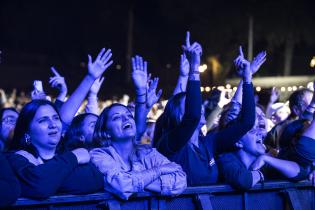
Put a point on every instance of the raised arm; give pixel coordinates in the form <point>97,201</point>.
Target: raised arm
<point>140,78</point>
<point>95,70</point>
<point>226,138</point>
<point>92,100</point>
<point>183,75</point>
<point>179,136</point>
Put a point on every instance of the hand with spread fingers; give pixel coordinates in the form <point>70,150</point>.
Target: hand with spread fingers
<point>139,74</point>
<point>153,96</point>
<point>97,67</point>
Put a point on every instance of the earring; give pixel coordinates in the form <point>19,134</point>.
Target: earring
<point>27,139</point>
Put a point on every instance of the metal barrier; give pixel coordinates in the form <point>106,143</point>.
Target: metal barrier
<point>274,195</point>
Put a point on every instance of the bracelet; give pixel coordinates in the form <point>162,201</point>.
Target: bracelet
<point>194,72</point>
<point>139,95</point>
<point>139,102</point>
<point>262,179</point>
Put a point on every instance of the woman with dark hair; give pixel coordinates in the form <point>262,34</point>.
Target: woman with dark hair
<point>127,166</point>
<point>8,118</point>
<point>41,170</point>
<point>178,135</point>
<point>80,132</point>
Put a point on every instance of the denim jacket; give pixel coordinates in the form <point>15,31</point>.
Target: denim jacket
<point>123,181</point>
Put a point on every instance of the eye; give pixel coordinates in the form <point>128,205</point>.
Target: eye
<point>42,120</point>
<point>116,117</point>
<point>56,117</point>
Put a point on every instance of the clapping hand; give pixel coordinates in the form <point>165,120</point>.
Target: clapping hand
<point>97,67</point>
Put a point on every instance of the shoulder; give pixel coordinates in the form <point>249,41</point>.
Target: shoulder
<point>228,158</point>
<point>30,157</point>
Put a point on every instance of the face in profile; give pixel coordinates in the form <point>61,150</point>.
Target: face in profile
<point>45,128</point>
<point>8,122</point>
<point>88,126</point>
<point>120,124</point>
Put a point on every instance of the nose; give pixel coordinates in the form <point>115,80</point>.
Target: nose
<point>52,124</point>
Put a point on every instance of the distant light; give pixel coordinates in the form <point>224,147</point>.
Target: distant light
<point>221,88</point>
<point>289,89</point>
<point>207,89</point>
<point>203,68</point>
<point>214,87</point>
<point>282,89</point>
<point>202,89</point>
<point>294,88</point>
<point>118,67</point>
<point>300,87</point>
<point>168,66</point>
<point>258,89</point>
<point>235,89</point>
<point>310,85</point>
<point>228,86</point>
<point>312,63</point>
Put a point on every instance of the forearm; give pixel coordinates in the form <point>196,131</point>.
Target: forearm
<point>62,96</point>
<point>92,104</point>
<point>72,105</point>
<point>288,168</point>
<point>141,112</point>
<point>255,177</point>
<point>237,97</point>
<point>181,84</point>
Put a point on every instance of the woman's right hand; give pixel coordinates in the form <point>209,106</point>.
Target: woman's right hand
<point>82,155</point>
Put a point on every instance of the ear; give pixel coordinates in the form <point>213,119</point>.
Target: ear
<point>295,110</point>
<point>239,144</point>
<point>82,138</point>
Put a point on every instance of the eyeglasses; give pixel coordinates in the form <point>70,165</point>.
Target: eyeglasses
<point>10,120</point>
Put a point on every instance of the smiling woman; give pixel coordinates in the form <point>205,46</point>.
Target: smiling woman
<point>40,169</point>
<point>128,167</point>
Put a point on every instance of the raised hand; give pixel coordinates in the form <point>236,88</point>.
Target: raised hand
<point>193,53</point>
<point>258,61</point>
<point>184,66</point>
<point>97,67</point>
<point>95,88</point>
<point>152,95</point>
<point>243,66</point>
<point>58,82</point>
<point>139,74</point>
<point>274,95</point>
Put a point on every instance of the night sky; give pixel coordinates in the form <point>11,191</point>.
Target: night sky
<point>38,34</point>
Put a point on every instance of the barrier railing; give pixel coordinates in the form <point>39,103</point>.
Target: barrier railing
<point>275,195</point>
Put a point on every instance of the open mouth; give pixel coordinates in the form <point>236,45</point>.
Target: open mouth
<point>127,126</point>
<point>53,133</point>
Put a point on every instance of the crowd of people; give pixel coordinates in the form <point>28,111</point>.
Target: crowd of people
<point>50,147</point>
